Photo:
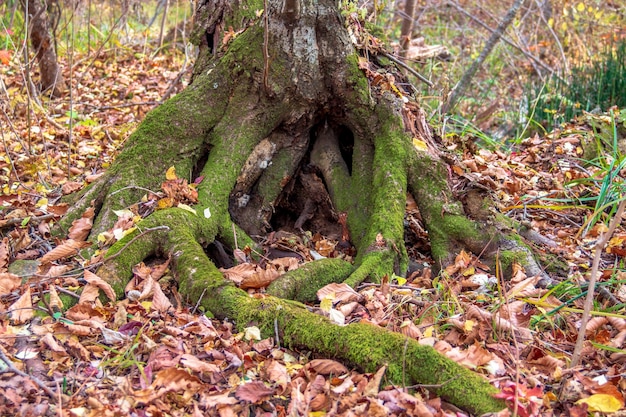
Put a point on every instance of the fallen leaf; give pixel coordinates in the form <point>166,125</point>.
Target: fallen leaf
<point>22,309</point>
<point>68,248</point>
<point>95,280</point>
<point>254,392</point>
<point>327,367</point>
<point>603,403</point>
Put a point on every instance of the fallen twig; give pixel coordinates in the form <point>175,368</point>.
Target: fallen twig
<point>11,368</point>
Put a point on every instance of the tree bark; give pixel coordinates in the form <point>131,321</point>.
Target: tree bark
<point>280,106</point>
<point>42,43</point>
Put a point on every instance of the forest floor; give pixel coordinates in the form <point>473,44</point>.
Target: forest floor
<point>151,354</point>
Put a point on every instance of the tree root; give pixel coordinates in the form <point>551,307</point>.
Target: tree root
<point>361,345</point>
<point>302,284</point>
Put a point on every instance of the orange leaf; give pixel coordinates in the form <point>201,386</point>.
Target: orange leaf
<point>68,248</point>
<point>95,280</point>
<point>22,309</point>
<point>5,56</point>
<point>81,227</point>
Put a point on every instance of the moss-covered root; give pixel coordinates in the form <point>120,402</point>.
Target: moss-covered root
<point>302,284</point>
<point>364,346</point>
<point>369,348</point>
<point>172,231</point>
<point>361,345</point>
<point>449,229</point>
<point>374,266</point>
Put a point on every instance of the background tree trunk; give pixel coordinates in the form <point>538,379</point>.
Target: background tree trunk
<point>42,43</point>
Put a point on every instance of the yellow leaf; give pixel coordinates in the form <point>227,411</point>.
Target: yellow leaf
<point>164,203</point>
<point>603,403</point>
<point>420,145</point>
<point>581,7</point>
<point>170,174</point>
<point>468,325</point>
<point>187,208</point>
<point>564,26</point>
<point>326,304</point>
<point>401,281</point>
<point>469,271</point>
<point>551,22</point>
<point>42,202</point>
<point>429,332</point>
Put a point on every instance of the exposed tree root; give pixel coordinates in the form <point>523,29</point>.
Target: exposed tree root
<point>362,345</point>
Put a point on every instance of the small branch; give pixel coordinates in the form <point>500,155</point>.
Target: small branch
<point>13,222</point>
<point>407,27</point>
<point>11,368</point>
<point>617,219</point>
<point>504,38</point>
<point>409,69</point>
<point>462,85</point>
<point>122,105</point>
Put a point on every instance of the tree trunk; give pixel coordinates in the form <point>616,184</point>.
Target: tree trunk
<point>42,43</point>
<point>283,126</point>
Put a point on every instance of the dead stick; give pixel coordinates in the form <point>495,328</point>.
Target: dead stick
<point>11,368</point>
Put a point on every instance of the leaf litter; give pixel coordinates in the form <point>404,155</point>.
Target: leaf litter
<point>150,354</point>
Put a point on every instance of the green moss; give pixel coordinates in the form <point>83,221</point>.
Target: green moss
<point>302,284</point>
<point>245,13</point>
<point>360,86</point>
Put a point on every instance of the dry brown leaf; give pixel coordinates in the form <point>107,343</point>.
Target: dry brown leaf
<point>261,279</point>
<point>74,344</point>
<point>375,409</point>
<point>254,392</point>
<point>68,248</point>
<point>82,311</point>
<point>160,302</point>
<point>9,282</point>
<point>547,364</point>
<point>77,329</point>
<point>238,272</point>
<point>276,372</point>
<point>158,270</point>
<point>93,279</point>
<point>148,288</point>
<point>410,329</point>
<point>192,362</point>
<point>288,263</point>
<point>22,309</point>
<point>373,386</point>
<point>55,301</point>
<point>4,254</point>
<point>82,227</point>
<point>343,293</point>
<point>321,402</point>
<point>70,187</point>
<point>56,270</point>
<point>49,340</point>
<point>89,294</point>
<point>169,380</point>
<point>327,367</point>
